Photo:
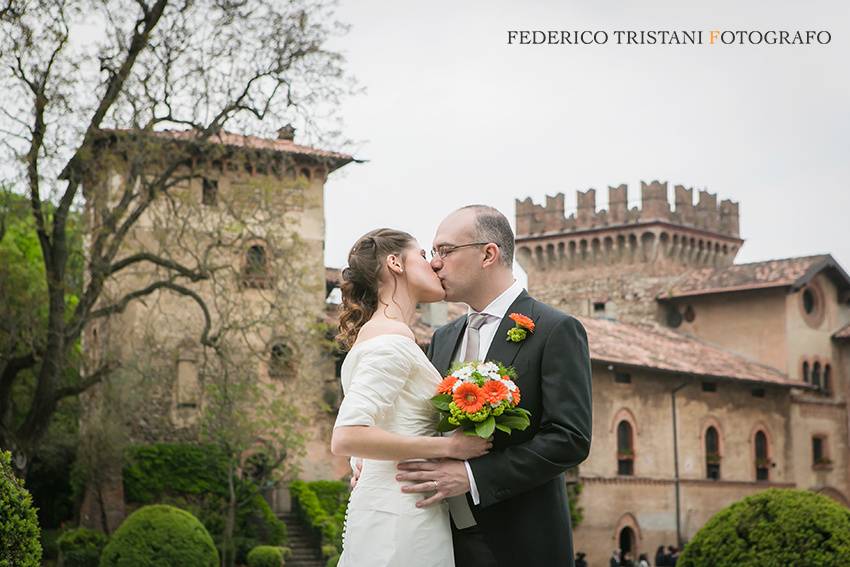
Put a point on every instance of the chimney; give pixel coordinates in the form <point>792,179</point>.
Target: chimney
<point>286,133</point>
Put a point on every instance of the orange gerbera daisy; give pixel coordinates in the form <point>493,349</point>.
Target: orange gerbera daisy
<point>445,387</point>
<point>469,397</point>
<point>523,321</point>
<point>495,391</point>
<point>516,396</point>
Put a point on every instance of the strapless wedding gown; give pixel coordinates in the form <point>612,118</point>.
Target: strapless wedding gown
<point>388,382</point>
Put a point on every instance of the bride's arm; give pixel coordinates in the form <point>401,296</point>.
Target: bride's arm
<point>370,442</point>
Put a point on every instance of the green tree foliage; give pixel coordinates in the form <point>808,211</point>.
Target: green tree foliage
<point>194,477</point>
<point>82,547</point>
<point>160,536</point>
<point>774,527</point>
<point>19,533</point>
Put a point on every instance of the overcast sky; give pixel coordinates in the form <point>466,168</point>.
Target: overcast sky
<point>453,115</point>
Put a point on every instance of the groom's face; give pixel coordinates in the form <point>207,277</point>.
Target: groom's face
<point>458,270</point>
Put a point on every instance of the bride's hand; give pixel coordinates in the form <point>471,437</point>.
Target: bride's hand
<point>463,446</point>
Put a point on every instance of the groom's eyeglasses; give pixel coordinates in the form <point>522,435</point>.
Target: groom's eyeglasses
<point>445,249</point>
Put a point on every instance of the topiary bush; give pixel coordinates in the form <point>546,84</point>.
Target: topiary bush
<point>20,544</point>
<point>160,536</point>
<point>268,556</point>
<point>81,547</point>
<point>774,527</point>
<point>194,478</point>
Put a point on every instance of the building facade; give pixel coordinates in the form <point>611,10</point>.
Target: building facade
<point>711,380</point>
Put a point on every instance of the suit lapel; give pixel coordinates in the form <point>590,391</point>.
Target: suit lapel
<point>447,345</point>
<point>501,349</point>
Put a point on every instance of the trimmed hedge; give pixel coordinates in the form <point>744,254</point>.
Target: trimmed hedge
<point>268,556</point>
<point>20,544</point>
<point>194,478</point>
<point>321,505</point>
<point>81,547</point>
<point>160,536</point>
<point>774,527</point>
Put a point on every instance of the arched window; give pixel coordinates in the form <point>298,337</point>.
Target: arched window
<point>712,453</point>
<point>827,386</point>
<point>806,371</point>
<point>816,375</point>
<point>625,449</point>
<point>255,272</point>
<point>280,360</point>
<point>762,456</point>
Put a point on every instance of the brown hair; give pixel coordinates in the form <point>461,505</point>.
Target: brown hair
<point>362,277</point>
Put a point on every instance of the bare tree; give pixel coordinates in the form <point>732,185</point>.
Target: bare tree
<point>198,65</point>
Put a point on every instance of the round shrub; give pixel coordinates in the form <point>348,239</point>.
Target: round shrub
<point>20,544</point>
<point>160,536</point>
<point>267,556</point>
<point>81,547</point>
<point>774,527</point>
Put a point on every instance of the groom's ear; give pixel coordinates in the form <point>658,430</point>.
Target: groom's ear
<point>492,255</point>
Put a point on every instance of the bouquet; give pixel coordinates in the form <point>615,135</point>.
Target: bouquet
<point>480,397</point>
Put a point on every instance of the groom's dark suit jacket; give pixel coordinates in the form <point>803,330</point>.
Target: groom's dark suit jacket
<point>523,511</point>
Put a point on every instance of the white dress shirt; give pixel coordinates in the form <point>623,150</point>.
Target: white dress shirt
<point>498,308</point>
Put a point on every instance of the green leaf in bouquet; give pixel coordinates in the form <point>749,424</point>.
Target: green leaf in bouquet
<point>441,402</point>
<point>518,411</point>
<point>444,425</point>
<point>504,428</point>
<point>519,422</point>
<point>485,428</point>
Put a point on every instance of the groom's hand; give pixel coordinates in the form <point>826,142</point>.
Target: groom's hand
<point>449,474</point>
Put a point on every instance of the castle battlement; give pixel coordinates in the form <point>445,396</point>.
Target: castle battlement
<point>533,219</point>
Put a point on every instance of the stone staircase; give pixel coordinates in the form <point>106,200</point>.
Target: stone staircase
<point>304,552</point>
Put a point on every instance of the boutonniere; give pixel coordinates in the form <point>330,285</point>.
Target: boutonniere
<point>522,326</point>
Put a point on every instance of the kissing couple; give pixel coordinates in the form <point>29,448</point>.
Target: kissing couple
<point>421,499</point>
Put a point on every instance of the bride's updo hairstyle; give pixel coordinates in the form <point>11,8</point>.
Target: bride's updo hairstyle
<point>362,277</point>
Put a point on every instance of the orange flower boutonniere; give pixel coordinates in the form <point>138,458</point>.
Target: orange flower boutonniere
<point>523,325</point>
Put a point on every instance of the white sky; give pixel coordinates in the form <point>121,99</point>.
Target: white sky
<point>452,115</point>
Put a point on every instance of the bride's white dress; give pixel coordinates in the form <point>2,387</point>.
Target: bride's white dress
<point>388,382</point>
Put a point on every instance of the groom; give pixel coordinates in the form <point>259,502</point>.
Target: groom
<point>508,507</point>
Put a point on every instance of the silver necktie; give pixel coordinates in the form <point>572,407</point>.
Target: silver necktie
<point>473,335</point>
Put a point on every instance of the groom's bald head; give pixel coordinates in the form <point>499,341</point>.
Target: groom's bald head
<point>490,225</point>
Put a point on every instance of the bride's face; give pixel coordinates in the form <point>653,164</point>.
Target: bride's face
<point>423,283</point>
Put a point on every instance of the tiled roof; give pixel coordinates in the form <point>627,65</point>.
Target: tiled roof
<point>654,347</point>
<point>842,333</point>
<point>334,159</point>
<point>794,272</point>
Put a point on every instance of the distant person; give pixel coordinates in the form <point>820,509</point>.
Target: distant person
<point>615,559</point>
<point>643,560</point>
<point>660,557</point>
<point>580,559</point>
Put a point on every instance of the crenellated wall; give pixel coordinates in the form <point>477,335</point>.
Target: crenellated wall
<point>701,235</point>
<point>533,219</point>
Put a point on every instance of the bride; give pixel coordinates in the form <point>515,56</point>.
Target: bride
<point>386,415</point>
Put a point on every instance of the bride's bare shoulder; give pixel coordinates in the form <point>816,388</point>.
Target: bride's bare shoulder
<point>381,327</point>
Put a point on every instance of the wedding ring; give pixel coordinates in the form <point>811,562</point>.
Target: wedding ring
<point>436,486</point>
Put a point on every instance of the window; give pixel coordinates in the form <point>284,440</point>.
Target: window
<point>820,458</point>
<point>599,307</point>
<point>255,272</point>
<point>762,459</point>
<point>712,453</point>
<point>827,386</point>
<point>622,378</point>
<point>625,449</point>
<point>709,386</point>
<point>280,360</point>
<point>812,305</point>
<point>690,314</point>
<point>806,371</point>
<point>816,375</point>
<point>210,192</point>
<point>808,301</point>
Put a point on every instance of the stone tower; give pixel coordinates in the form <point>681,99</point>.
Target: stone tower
<point>612,263</point>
